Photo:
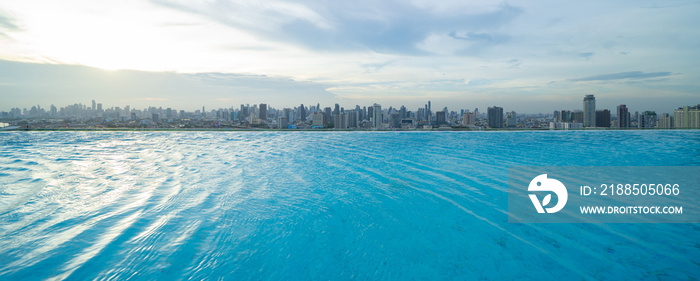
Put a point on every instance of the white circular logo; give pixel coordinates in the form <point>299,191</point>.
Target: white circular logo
<point>542,183</point>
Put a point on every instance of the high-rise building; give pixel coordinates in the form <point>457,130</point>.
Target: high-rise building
<point>340,122</point>
<point>468,119</point>
<point>94,105</point>
<point>395,120</point>
<point>282,122</point>
<point>512,119</point>
<point>647,120</point>
<point>687,117</point>
<point>352,118</point>
<point>289,113</point>
<point>623,116</point>
<point>262,111</point>
<point>589,111</point>
<point>377,116</point>
<point>327,114</point>
<point>440,118</point>
<point>370,113</point>
<point>565,116</point>
<point>317,120</point>
<point>665,121</point>
<point>243,113</point>
<point>494,116</point>
<point>577,117</point>
<point>602,118</point>
<point>302,112</point>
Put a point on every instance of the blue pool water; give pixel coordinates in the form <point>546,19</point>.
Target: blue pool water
<point>319,205</point>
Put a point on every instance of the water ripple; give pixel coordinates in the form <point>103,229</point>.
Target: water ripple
<point>312,205</point>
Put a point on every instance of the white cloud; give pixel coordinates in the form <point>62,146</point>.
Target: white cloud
<point>519,47</point>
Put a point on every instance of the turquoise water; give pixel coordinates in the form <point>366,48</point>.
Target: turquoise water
<point>319,205</point>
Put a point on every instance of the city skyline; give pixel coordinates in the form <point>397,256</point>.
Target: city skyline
<point>525,55</point>
<point>337,117</point>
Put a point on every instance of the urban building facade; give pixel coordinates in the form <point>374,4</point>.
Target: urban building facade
<point>589,114</point>
<point>494,117</point>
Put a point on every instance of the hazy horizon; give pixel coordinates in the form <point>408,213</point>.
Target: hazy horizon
<point>528,57</point>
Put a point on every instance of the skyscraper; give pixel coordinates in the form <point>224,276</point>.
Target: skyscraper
<point>340,122</point>
<point>370,113</point>
<point>302,112</point>
<point>512,119</point>
<point>377,116</point>
<point>317,119</point>
<point>494,117</point>
<point>647,120</point>
<point>623,116</point>
<point>352,117</point>
<point>589,111</point>
<point>665,121</point>
<point>440,118</point>
<point>262,111</point>
<point>282,122</point>
<point>687,117</point>
<point>602,118</point>
<point>429,113</point>
<point>327,115</point>
<point>468,119</point>
<point>243,112</point>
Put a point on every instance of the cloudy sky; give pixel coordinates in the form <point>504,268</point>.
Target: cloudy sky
<point>527,56</point>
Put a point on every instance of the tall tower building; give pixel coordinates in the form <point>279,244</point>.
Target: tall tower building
<point>262,112</point>
<point>665,121</point>
<point>377,116</point>
<point>623,116</point>
<point>370,113</point>
<point>468,119</point>
<point>302,112</point>
<point>512,119</point>
<point>429,112</point>
<point>440,118</point>
<point>687,117</point>
<point>494,117</point>
<point>602,118</point>
<point>648,119</point>
<point>589,111</point>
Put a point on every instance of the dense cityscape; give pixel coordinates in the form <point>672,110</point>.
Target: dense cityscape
<point>373,117</point>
